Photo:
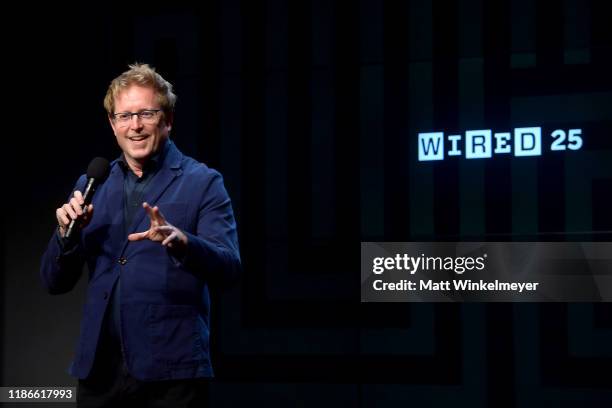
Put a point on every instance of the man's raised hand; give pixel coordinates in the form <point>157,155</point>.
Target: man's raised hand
<point>160,230</point>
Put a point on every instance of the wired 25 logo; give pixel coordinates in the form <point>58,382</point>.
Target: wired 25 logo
<point>482,144</point>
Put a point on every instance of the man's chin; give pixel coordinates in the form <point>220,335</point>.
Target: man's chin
<point>140,158</point>
<point>140,152</point>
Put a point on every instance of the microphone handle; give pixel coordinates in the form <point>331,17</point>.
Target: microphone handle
<point>87,196</point>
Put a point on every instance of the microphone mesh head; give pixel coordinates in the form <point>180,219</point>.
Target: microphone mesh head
<point>98,169</point>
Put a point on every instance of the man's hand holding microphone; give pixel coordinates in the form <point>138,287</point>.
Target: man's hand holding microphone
<point>77,212</point>
<point>72,212</point>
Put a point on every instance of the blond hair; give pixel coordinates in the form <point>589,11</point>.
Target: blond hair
<point>145,76</point>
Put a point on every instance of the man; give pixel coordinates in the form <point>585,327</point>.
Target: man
<point>158,231</point>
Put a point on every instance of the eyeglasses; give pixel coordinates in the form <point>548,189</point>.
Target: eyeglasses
<point>146,116</point>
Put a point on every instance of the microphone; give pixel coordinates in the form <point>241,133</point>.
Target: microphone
<point>97,172</point>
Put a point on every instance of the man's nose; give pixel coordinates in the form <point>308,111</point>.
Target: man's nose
<point>135,121</point>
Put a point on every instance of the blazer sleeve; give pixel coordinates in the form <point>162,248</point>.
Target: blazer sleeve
<point>62,264</point>
<point>213,253</point>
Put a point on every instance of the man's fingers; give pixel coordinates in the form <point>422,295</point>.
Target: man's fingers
<point>77,202</point>
<point>138,236</point>
<point>159,217</point>
<point>165,229</point>
<point>169,239</point>
<point>88,213</point>
<point>150,212</point>
<point>74,202</point>
<point>154,213</point>
<point>61,217</point>
<point>168,231</point>
<point>87,210</point>
<point>79,197</point>
<point>70,211</point>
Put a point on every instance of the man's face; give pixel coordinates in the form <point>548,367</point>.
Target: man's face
<point>139,139</point>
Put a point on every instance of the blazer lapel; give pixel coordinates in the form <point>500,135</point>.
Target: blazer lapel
<point>114,200</point>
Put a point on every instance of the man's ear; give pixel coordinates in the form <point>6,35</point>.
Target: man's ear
<point>110,120</point>
<point>169,119</point>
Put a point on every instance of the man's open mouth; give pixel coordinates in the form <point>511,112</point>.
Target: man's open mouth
<point>138,138</point>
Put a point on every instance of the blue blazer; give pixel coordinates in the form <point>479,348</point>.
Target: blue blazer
<point>164,301</point>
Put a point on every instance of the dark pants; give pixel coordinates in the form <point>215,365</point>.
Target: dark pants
<point>110,385</point>
<point>128,392</point>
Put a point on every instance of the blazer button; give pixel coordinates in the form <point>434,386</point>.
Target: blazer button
<point>122,261</point>
<point>105,295</point>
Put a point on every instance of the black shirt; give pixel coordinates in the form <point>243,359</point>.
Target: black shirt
<point>134,189</point>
